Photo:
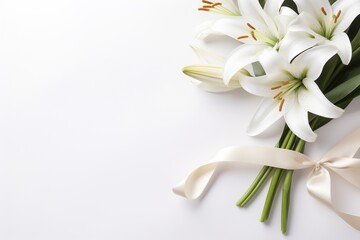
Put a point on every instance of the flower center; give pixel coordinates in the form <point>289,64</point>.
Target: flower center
<point>328,25</point>
<point>257,35</point>
<point>217,7</point>
<point>286,88</point>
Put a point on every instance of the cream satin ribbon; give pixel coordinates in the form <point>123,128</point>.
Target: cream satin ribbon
<point>340,159</point>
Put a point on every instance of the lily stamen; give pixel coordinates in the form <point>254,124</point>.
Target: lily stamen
<point>250,26</point>
<point>337,16</point>
<point>253,35</point>
<point>281,85</point>
<point>244,36</point>
<point>217,7</point>
<point>281,104</point>
<point>277,87</point>
<point>203,9</point>
<point>277,95</point>
<point>216,4</point>
<point>323,11</point>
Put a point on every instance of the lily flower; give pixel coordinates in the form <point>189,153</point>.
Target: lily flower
<point>290,91</point>
<point>320,23</point>
<point>257,28</point>
<point>209,76</point>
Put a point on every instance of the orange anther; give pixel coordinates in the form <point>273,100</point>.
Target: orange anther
<point>241,37</point>
<point>277,87</point>
<point>250,26</point>
<point>337,16</point>
<point>323,11</point>
<point>253,35</point>
<point>281,105</point>
<point>216,4</point>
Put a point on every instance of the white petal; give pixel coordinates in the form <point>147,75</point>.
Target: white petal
<point>283,22</point>
<point>266,115</point>
<point>205,30</point>
<point>305,22</point>
<point>242,56</point>
<point>208,57</point>
<point>342,42</point>
<point>272,7</point>
<point>253,9</point>
<point>313,7</point>
<point>274,64</point>
<point>260,86</point>
<point>313,100</point>
<point>313,60</point>
<point>349,10</point>
<point>215,88</point>
<point>295,43</point>
<point>297,120</point>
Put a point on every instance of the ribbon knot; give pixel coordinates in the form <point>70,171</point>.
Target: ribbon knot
<point>317,166</point>
<point>340,160</point>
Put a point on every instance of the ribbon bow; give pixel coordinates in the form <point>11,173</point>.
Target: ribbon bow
<point>340,159</point>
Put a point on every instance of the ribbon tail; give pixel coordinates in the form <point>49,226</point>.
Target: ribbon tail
<point>195,184</point>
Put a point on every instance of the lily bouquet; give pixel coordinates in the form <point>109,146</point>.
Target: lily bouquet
<point>300,56</point>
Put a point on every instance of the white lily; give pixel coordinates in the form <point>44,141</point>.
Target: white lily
<point>224,7</point>
<point>320,23</point>
<point>209,76</point>
<point>290,91</point>
<point>258,28</point>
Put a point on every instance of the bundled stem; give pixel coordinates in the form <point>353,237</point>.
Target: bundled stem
<point>286,144</point>
<point>286,191</point>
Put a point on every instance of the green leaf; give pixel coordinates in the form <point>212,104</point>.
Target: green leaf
<point>328,71</point>
<point>355,43</point>
<point>258,69</point>
<point>343,90</point>
<point>354,28</point>
<point>262,2</point>
<point>290,4</point>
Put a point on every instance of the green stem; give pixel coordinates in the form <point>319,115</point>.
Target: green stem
<point>286,200</point>
<point>271,194</point>
<point>263,174</point>
<point>254,188</point>
<point>286,140</point>
<point>286,190</point>
<point>275,181</point>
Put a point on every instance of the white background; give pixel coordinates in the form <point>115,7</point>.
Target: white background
<point>97,123</point>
